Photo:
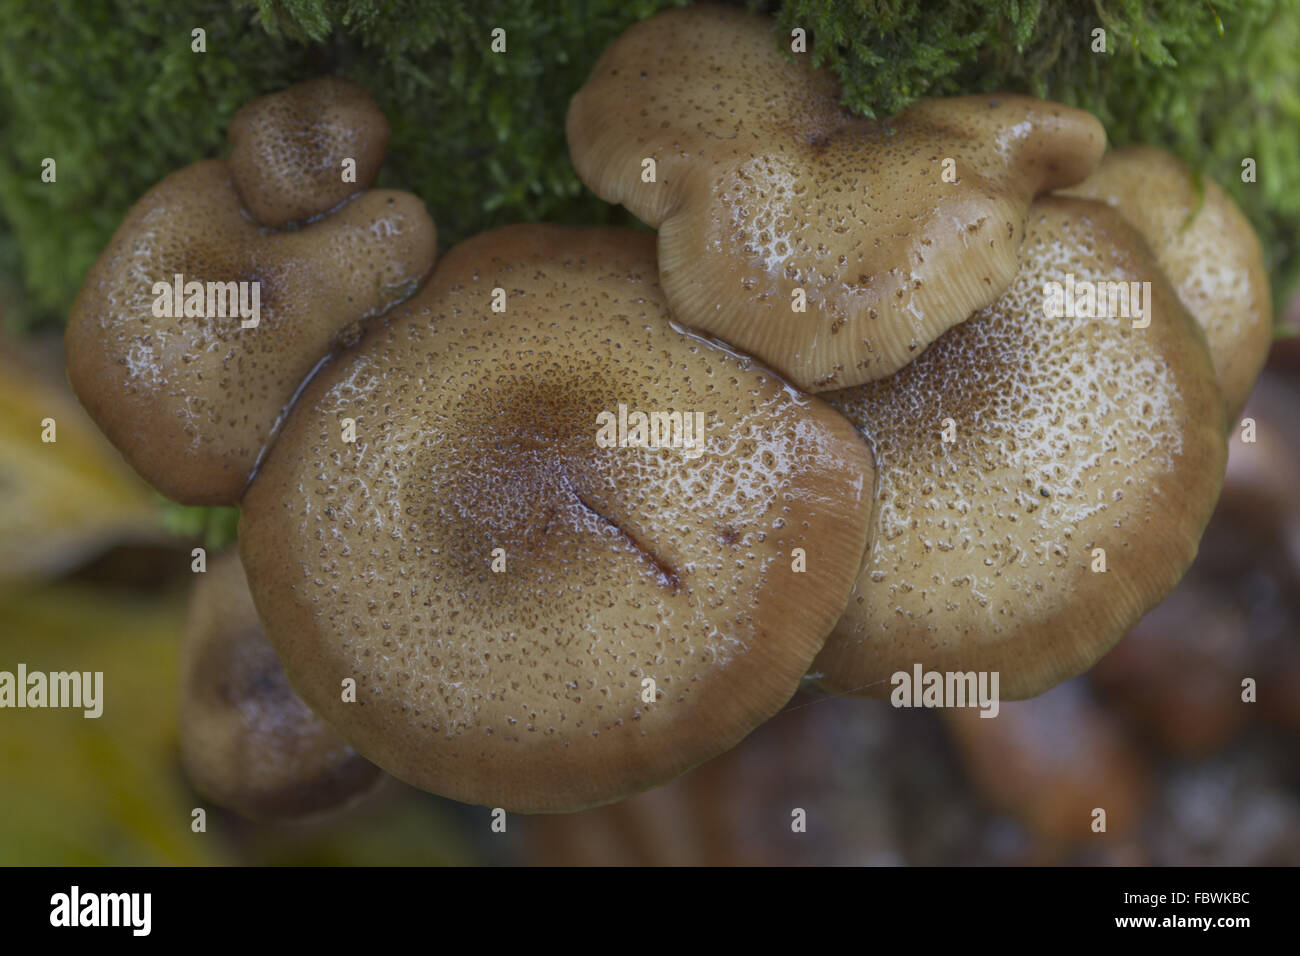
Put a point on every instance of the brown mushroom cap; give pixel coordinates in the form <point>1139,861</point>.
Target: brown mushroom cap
<point>477,430</point>
<point>248,742</point>
<point>191,401</point>
<point>1205,246</point>
<point>765,185</point>
<point>289,148</point>
<point>1069,435</point>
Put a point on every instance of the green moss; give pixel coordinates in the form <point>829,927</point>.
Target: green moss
<point>215,528</point>
<point>115,95</point>
<point>1212,82</point>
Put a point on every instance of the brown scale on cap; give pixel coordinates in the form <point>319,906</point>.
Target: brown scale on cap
<point>191,401</point>
<point>248,742</point>
<point>1069,435</point>
<point>765,185</point>
<point>1205,246</point>
<point>289,148</point>
<point>477,430</point>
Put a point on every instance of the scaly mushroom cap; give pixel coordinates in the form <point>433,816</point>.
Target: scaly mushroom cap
<point>290,148</point>
<point>1068,435</point>
<point>765,185</point>
<point>248,742</point>
<point>190,401</point>
<point>522,687</point>
<point>1205,246</point>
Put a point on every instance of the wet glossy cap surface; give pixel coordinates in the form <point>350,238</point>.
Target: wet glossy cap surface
<point>524,687</point>
<point>191,399</point>
<point>894,229</point>
<point>1205,246</point>
<point>1068,435</point>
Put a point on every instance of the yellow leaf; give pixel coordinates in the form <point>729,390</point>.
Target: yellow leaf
<point>62,500</point>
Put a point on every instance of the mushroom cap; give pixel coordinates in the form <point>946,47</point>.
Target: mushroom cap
<point>1070,434</point>
<point>1206,247</point>
<point>765,185</point>
<point>522,688</point>
<point>289,148</point>
<point>191,401</point>
<point>248,742</point>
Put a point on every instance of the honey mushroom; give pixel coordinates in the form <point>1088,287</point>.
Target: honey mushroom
<point>196,326</point>
<point>1206,248</point>
<point>248,742</point>
<point>1177,674</point>
<point>539,614</point>
<point>1051,762</point>
<point>763,187</point>
<point>1041,483</point>
<point>291,147</point>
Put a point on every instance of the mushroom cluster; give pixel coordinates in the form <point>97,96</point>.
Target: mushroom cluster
<point>555,521</point>
<point>198,323</point>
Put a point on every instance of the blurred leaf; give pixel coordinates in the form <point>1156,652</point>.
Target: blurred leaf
<point>59,501</point>
<point>106,790</point>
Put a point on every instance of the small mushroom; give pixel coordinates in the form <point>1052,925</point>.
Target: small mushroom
<point>291,149</point>
<point>1051,762</point>
<point>1041,482</point>
<point>816,785</point>
<point>191,396</point>
<point>1178,673</point>
<point>770,197</point>
<point>1259,488</point>
<point>535,618</point>
<point>248,742</point>
<point>1206,248</point>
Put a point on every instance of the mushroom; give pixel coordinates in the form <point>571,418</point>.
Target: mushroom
<point>248,742</point>
<point>1051,762</point>
<point>1041,482</point>
<point>1253,544</point>
<point>1206,248</point>
<point>191,396</point>
<point>1178,673</point>
<point>291,149</point>
<point>537,616</point>
<point>835,763</point>
<point>1259,489</point>
<point>769,196</point>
